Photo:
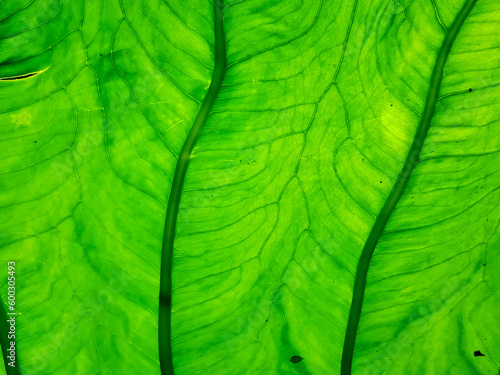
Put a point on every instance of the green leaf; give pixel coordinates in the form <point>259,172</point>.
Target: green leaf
<point>240,187</point>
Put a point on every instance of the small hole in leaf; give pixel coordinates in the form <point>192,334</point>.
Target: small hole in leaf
<point>478,353</point>
<point>470,90</point>
<point>296,359</point>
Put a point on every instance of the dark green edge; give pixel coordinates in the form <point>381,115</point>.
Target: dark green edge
<point>398,189</point>
<point>4,343</point>
<point>164,322</point>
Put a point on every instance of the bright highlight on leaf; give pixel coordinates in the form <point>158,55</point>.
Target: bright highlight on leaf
<point>258,186</point>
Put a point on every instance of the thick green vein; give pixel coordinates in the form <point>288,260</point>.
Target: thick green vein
<point>164,324</point>
<point>398,189</point>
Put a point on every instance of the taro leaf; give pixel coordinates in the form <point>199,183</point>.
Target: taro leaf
<point>348,140</point>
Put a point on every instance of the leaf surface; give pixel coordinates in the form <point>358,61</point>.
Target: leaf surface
<point>311,153</point>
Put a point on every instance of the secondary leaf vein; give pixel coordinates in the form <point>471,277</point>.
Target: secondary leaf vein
<point>398,189</point>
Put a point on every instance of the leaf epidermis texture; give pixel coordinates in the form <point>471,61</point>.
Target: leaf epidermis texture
<point>311,127</point>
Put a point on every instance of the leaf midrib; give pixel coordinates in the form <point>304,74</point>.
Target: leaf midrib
<point>398,188</point>
<point>164,322</point>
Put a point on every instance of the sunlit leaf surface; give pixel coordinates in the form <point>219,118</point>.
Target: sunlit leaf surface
<point>341,128</point>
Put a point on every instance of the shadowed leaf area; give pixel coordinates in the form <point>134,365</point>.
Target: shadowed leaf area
<point>312,187</point>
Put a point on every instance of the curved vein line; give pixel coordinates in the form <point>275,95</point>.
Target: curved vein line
<point>165,313</point>
<point>398,189</point>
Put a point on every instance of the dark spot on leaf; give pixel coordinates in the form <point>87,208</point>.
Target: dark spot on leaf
<point>36,141</point>
<point>18,77</point>
<point>296,359</point>
<point>267,320</point>
<point>484,264</point>
<point>470,90</point>
<point>380,181</point>
<point>391,105</point>
<point>101,54</point>
<point>477,353</point>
